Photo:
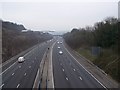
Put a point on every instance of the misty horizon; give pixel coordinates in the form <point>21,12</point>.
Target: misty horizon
<point>60,17</point>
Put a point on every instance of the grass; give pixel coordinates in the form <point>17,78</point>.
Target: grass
<point>108,60</point>
<point>86,53</point>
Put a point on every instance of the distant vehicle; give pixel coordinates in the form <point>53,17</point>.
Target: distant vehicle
<point>60,42</point>
<point>60,52</point>
<point>21,59</point>
<point>58,47</point>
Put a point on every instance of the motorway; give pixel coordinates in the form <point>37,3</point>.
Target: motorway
<point>22,75</point>
<point>67,72</point>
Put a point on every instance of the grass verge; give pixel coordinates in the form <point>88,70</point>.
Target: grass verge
<point>108,61</point>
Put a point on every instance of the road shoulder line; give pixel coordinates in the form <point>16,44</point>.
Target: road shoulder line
<point>84,68</point>
<point>50,69</point>
<point>39,73</point>
<point>44,77</point>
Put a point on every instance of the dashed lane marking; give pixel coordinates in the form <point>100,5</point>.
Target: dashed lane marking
<point>80,78</point>
<point>19,66</point>
<point>85,69</point>
<point>74,70</point>
<point>13,74</point>
<point>18,85</point>
<point>25,74</point>
<point>66,78</point>
<point>16,61</point>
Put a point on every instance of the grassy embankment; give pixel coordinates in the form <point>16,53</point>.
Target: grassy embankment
<point>108,61</point>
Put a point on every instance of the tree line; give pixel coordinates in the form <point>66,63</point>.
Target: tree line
<point>15,41</point>
<point>104,34</point>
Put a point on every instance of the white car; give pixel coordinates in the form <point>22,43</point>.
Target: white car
<point>21,59</point>
<point>58,47</point>
<point>60,52</point>
<point>58,42</point>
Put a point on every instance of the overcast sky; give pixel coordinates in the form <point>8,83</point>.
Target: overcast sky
<point>58,16</point>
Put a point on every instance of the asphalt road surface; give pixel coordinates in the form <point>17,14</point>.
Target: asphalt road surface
<point>22,75</point>
<point>68,73</point>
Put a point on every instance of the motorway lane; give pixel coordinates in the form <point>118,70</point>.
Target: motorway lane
<point>59,76</point>
<point>68,73</point>
<point>22,75</point>
<point>9,63</point>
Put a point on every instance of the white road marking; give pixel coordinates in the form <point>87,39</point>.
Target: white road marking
<point>28,53</point>
<point>8,68</point>
<point>74,69</point>
<point>29,66</point>
<point>52,65</point>
<point>1,85</point>
<point>63,70</point>
<point>18,85</point>
<point>16,61</point>
<point>13,74</point>
<point>80,78</point>
<point>85,68</point>
<point>25,74</point>
<point>19,66</point>
<point>66,78</point>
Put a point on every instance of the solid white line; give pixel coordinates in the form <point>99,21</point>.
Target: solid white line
<point>63,70</point>
<point>80,78</point>
<point>1,85</point>
<point>18,85</point>
<point>12,74</point>
<point>66,78</point>
<point>52,65</point>
<point>85,69</point>
<point>1,65</point>
<point>17,61</point>
<point>8,68</point>
<point>11,65</point>
<point>28,53</point>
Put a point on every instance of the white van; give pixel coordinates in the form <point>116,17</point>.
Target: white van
<point>21,59</point>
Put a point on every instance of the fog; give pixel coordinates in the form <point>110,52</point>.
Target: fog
<point>60,17</point>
